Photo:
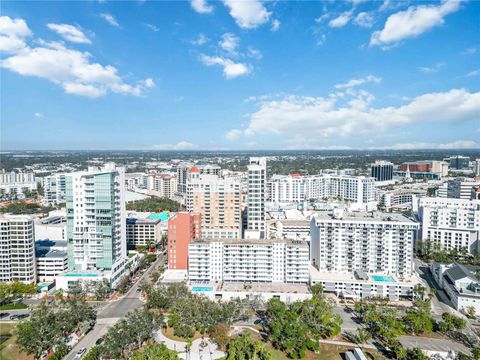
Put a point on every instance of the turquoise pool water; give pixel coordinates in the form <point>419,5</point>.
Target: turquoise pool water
<point>202,288</point>
<point>381,278</point>
<point>81,275</point>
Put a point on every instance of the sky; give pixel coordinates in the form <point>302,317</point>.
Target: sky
<point>228,75</point>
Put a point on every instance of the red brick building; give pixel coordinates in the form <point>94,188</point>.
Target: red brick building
<point>183,228</point>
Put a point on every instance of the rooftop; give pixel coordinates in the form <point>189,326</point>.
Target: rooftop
<point>363,216</point>
<point>51,254</point>
<point>254,241</point>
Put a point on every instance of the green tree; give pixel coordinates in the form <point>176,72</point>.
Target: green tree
<point>220,335</point>
<point>317,290</point>
<point>152,352</point>
<point>244,347</point>
<point>476,353</point>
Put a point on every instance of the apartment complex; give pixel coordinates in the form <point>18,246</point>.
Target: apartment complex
<point>451,223</point>
<point>143,232</point>
<point>254,261</point>
<point>217,200</point>
<point>96,220</point>
<point>12,182</point>
<point>375,243</point>
<point>52,260</point>
<point>257,186</point>
<point>296,188</point>
<point>458,188</point>
<point>183,228</point>
<point>54,187</point>
<point>17,249</point>
<point>162,185</point>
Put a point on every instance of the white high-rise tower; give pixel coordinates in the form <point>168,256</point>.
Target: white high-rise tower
<point>257,185</point>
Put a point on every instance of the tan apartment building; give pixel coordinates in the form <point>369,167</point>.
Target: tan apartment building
<point>162,185</point>
<point>217,199</point>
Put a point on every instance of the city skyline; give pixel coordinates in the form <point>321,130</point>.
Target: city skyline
<point>240,75</point>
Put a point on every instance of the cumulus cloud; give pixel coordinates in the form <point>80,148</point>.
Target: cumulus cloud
<point>357,82</point>
<point>474,73</point>
<point>229,43</point>
<point>231,69</point>
<point>364,19</point>
<point>182,145</point>
<point>413,22</point>
<point>254,53</point>
<point>460,144</point>
<point>38,115</point>
<point>110,19</point>
<point>344,115</point>
<point>248,14</point>
<point>201,6</point>
<point>152,27</point>
<point>73,70</point>
<point>275,25</point>
<point>341,20</point>
<point>70,33</point>
<point>13,33</point>
<point>233,134</point>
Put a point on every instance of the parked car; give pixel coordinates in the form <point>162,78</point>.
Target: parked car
<point>80,353</point>
<point>2,315</point>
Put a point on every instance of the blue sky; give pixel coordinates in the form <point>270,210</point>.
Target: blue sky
<point>240,75</point>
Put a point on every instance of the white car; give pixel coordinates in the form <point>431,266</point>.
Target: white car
<point>80,353</point>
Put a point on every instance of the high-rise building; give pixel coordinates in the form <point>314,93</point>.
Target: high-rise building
<point>96,218</point>
<point>451,223</point>
<point>143,232</point>
<point>182,174</point>
<point>378,243</point>
<point>382,170</point>
<point>257,186</point>
<point>17,249</point>
<point>217,200</point>
<point>13,182</point>
<point>241,260</point>
<point>458,162</point>
<point>183,228</point>
<point>477,167</point>
<point>162,185</point>
<point>54,187</point>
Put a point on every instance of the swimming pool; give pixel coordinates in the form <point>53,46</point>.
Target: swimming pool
<point>202,288</point>
<point>80,275</point>
<point>381,278</point>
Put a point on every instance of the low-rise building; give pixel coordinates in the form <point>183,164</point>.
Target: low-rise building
<point>252,261</point>
<point>52,259</point>
<point>143,232</point>
<point>17,183</point>
<point>460,284</point>
<point>53,227</point>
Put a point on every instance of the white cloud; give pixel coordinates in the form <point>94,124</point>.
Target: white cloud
<point>229,43</point>
<point>470,51</point>
<point>413,22</point>
<point>474,73</point>
<point>275,25</point>
<point>341,20</point>
<point>13,33</point>
<point>364,19</point>
<point>38,115</point>
<point>73,70</point>
<point>431,69</point>
<point>233,134</point>
<point>152,27</point>
<point>317,118</point>
<point>70,33</point>
<point>254,53</point>
<point>357,82</point>
<point>231,69</point>
<point>149,83</point>
<point>201,6</point>
<point>200,40</point>
<point>460,144</point>
<point>248,14</point>
<point>110,19</point>
<point>322,17</point>
<point>182,145</point>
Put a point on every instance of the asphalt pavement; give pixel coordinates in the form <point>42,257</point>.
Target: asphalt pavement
<point>112,312</point>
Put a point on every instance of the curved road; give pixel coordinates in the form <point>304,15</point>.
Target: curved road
<point>113,312</point>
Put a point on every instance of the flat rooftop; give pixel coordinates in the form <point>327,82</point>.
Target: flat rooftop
<point>51,254</point>
<point>259,287</point>
<point>253,241</point>
<point>363,216</point>
<point>144,221</point>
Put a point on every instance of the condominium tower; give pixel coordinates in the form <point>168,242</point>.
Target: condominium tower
<point>257,185</point>
<point>96,219</point>
<point>17,249</point>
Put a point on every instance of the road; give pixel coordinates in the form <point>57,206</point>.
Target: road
<point>114,311</point>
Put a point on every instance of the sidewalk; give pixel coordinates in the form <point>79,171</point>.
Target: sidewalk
<point>197,352</point>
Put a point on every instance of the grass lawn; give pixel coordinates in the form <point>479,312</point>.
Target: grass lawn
<point>8,349</point>
<point>168,332</point>
<point>13,306</point>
